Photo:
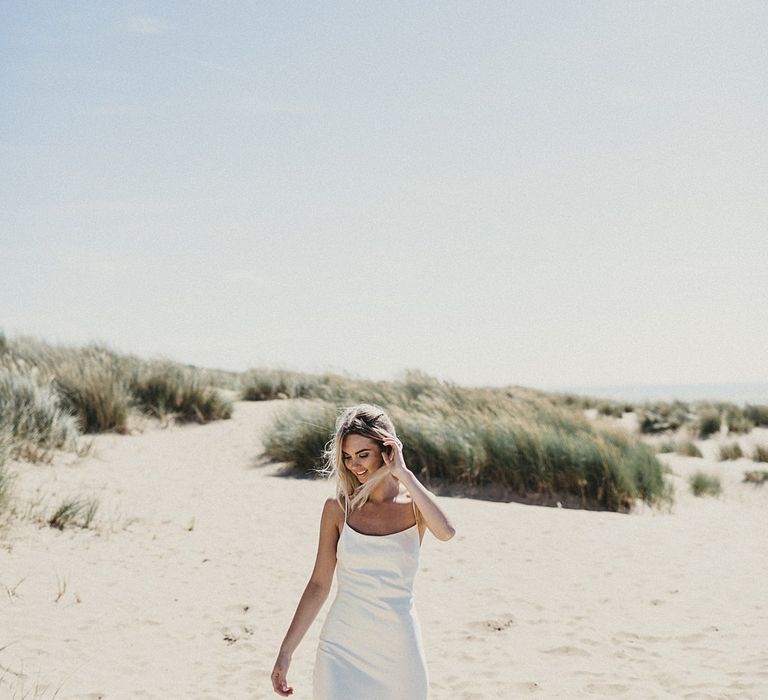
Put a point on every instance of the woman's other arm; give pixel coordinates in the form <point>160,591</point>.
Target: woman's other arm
<point>315,594</point>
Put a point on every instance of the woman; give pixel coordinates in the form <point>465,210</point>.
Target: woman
<point>370,643</point>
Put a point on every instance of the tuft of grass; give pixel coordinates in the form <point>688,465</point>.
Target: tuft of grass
<point>688,448</point>
<point>74,512</point>
<point>95,390</point>
<point>704,484</point>
<point>760,453</point>
<point>758,414</point>
<point>708,423</point>
<point>33,420</point>
<point>6,487</point>
<point>666,446</point>
<point>662,416</point>
<point>758,477</point>
<point>737,420</point>
<point>730,450</point>
<point>162,388</point>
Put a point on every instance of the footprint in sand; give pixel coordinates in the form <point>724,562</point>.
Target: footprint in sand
<point>235,635</point>
<point>239,608</point>
<point>496,624</point>
<point>566,651</point>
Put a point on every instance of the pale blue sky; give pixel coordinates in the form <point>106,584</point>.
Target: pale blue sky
<point>540,193</point>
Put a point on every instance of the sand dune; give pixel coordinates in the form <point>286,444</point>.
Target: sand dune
<point>189,577</point>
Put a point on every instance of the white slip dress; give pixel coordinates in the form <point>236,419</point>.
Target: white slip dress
<point>370,644</point>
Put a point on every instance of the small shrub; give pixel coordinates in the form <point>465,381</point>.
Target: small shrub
<point>760,453</point>
<point>708,422</point>
<point>97,393</point>
<point>737,420</point>
<point>704,485</point>
<point>756,477</point>
<point>74,512</point>
<point>730,450</point>
<point>162,388</point>
<point>688,449</point>
<point>757,414</point>
<point>666,446</point>
<point>610,408</point>
<point>33,419</point>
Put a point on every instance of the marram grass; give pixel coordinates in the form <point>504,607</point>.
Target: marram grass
<point>529,448</point>
<point>704,484</point>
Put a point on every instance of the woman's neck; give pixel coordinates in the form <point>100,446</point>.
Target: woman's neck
<point>385,492</point>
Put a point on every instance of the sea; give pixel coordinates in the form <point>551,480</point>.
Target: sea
<point>753,393</point>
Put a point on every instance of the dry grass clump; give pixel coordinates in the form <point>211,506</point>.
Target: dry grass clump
<point>704,484</point>
<point>101,387</point>
<point>662,416</point>
<point>34,420</point>
<point>688,448</point>
<point>758,477</point>
<point>512,440</point>
<point>760,453</point>
<point>74,512</point>
<point>757,414</point>
<point>163,388</point>
<point>731,450</point>
<point>6,487</point>
<point>738,420</point>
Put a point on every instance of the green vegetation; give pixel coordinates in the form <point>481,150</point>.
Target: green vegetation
<point>708,421</point>
<point>688,448</point>
<point>662,416</point>
<point>737,420</point>
<point>162,388</point>
<point>757,414</point>
<point>33,419</point>
<point>515,440</point>
<point>730,450</point>
<point>760,453</point>
<point>74,512</point>
<point>704,485</point>
<point>756,477</point>
<point>101,387</point>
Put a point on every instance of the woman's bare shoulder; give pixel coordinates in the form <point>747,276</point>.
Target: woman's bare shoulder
<point>333,512</point>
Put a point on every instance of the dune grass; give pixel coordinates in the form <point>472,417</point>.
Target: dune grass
<point>704,484</point>
<point>514,441</point>
<point>163,388</point>
<point>760,453</point>
<point>758,477</point>
<point>101,387</point>
<point>758,414</point>
<point>34,421</point>
<point>6,488</point>
<point>74,512</point>
<point>687,448</point>
<point>728,451</point>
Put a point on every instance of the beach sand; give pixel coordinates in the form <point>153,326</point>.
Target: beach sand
<point>189,576</point>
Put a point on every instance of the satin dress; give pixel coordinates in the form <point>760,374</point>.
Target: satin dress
<point>370,644</point>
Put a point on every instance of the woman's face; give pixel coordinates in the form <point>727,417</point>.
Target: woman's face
<point>361,455</point>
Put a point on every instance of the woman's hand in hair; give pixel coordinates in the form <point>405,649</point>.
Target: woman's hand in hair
<point>393,457</point>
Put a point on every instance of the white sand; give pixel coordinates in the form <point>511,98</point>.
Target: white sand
<point>196,559</point>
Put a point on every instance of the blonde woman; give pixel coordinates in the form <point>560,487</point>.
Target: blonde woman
<point>370,643</point>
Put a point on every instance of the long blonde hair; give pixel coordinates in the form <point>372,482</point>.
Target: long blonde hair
<point>364,419</point>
